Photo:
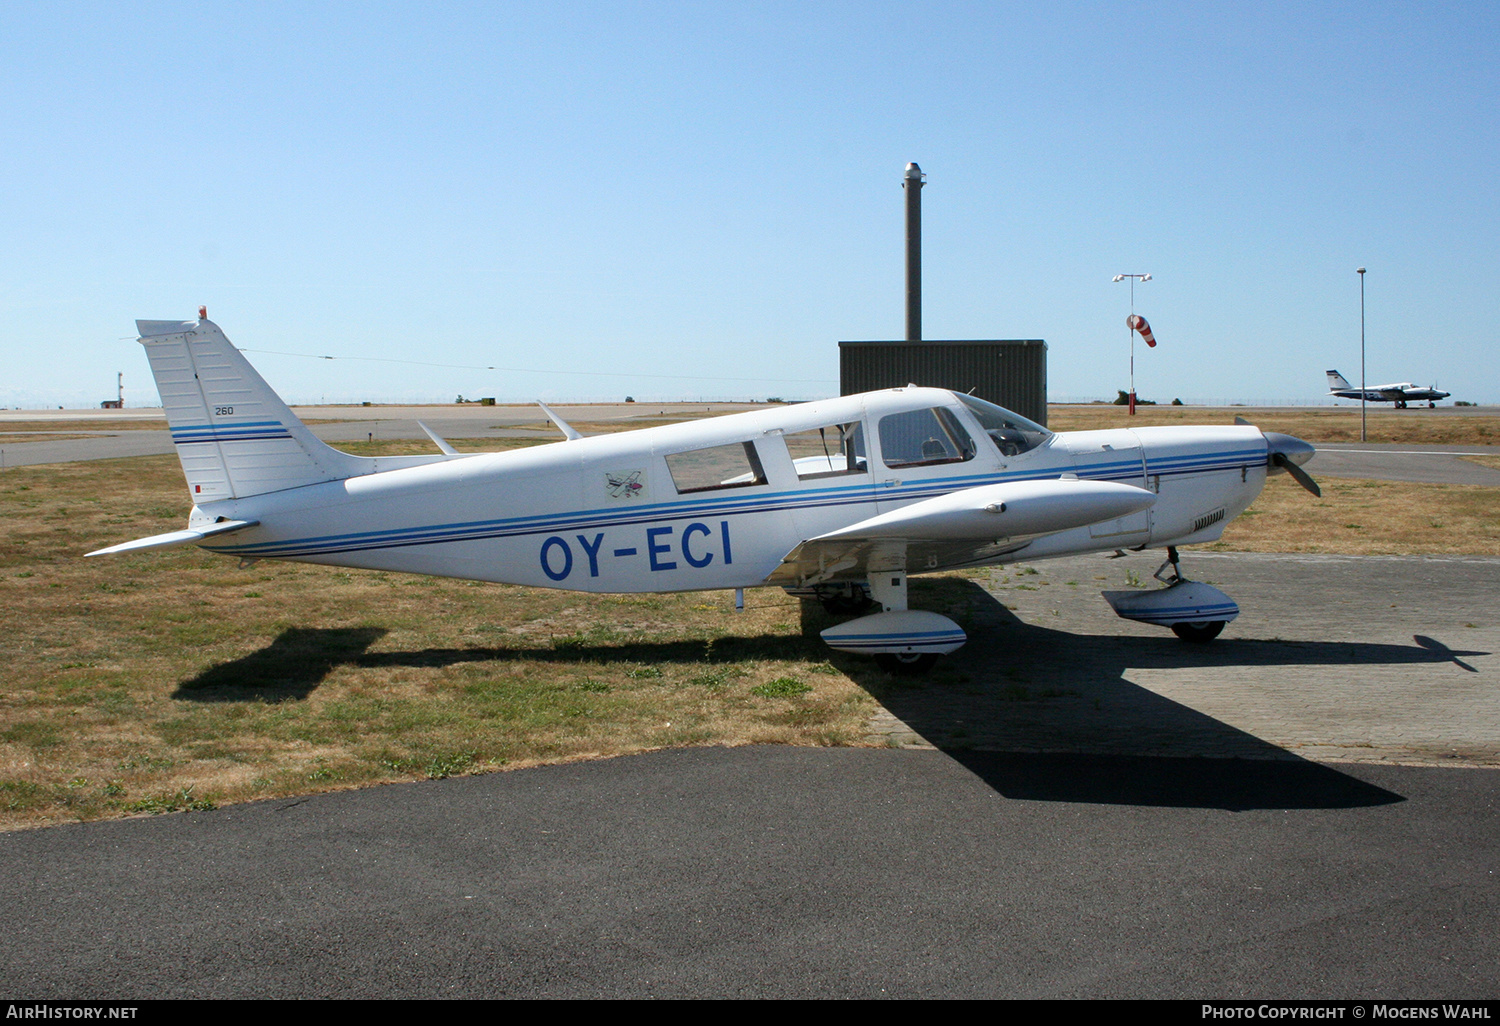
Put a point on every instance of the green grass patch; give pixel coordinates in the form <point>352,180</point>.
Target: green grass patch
<point>781,687</point>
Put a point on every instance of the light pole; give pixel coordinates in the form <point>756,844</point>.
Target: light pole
<point>1130,329</point>
<point>1361,271</point>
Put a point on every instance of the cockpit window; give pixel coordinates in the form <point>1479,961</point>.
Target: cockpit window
<point>922,438</point>
<point>1012,433</point>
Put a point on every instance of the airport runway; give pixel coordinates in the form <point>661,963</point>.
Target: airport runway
<point>1429,464</point>
<point>1041,823</point>
<point>1434,464</point>
<point>335,424</point>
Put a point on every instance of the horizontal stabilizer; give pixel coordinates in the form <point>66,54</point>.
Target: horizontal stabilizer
<point>174,538</point>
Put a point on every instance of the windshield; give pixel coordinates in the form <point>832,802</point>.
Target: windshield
<point>1012,433</point>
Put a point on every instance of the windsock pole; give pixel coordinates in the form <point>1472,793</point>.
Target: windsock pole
<point>1131,328</point>
<point>1136,323</point>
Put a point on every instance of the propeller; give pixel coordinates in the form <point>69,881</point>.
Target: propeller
<point>1288,453</point>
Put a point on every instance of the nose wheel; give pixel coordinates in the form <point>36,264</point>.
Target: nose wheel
<point>1199,633</point>
<point>906,664</point>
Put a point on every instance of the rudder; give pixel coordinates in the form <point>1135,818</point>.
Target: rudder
<point>234,435</point>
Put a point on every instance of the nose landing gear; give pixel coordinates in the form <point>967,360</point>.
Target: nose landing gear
<point>1195,611</point>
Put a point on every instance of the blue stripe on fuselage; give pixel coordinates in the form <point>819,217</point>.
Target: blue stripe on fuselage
<point>727,505</point>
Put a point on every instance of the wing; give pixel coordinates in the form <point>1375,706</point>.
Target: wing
<point>439,441</point>
<point>567,429</point>
<point>974,525</point>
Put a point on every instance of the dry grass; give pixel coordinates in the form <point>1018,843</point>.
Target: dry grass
<point>159,680</point>
<point>604,427</point>
<point>1415,427</point>
<point>91,426</point>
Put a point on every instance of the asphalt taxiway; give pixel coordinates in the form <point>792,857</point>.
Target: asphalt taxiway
<point>780,872</point>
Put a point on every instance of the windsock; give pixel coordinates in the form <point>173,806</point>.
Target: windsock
<point>1138,323</point>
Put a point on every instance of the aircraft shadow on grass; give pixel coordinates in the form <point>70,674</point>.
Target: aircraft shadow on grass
<point>1036,713</point>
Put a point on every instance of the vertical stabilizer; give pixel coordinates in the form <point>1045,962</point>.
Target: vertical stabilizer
<point>234,436</point>
<point>1336,381</point>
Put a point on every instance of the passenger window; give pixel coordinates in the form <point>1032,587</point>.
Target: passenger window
<point>735,465</point>
<point>923,438</point>
<point>832,451</point>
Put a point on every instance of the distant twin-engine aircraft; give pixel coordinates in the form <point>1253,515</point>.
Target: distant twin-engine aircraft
<point>1400,393</point>
<point>839,500</point>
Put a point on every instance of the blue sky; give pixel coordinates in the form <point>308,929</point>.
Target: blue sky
<point>701,199</point>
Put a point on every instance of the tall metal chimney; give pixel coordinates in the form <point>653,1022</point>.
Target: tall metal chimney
<point>912,183</point>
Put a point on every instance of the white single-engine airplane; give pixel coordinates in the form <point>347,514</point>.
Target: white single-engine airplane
<point>1400,393</point>
<point>836,499</point>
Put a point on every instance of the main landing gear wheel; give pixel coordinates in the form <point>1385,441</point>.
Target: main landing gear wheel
<point>1200,632</point>
<point>906,664</point>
